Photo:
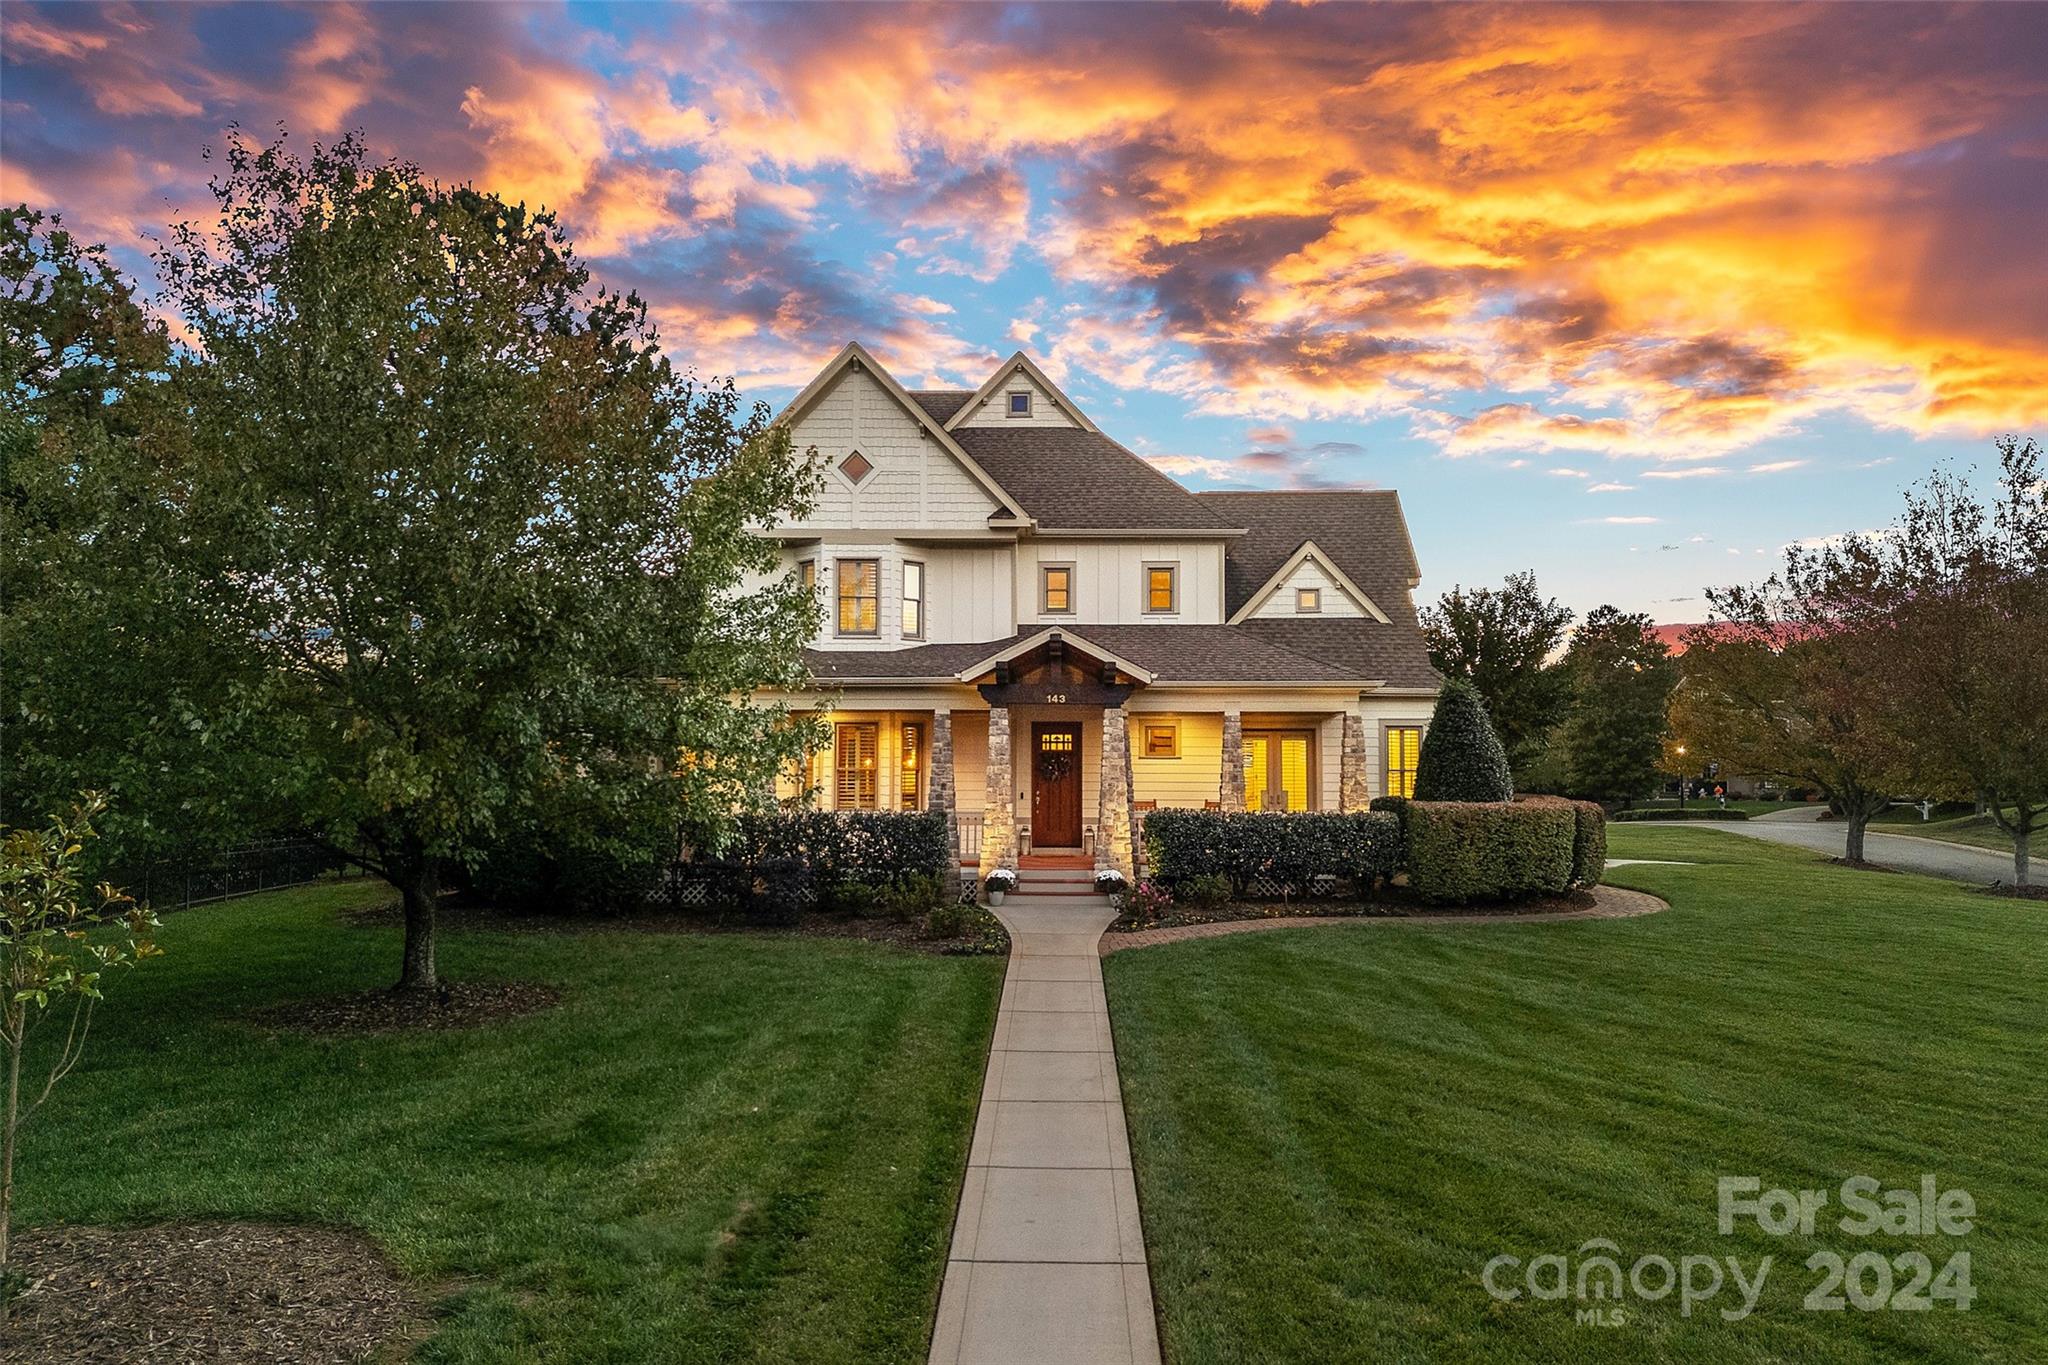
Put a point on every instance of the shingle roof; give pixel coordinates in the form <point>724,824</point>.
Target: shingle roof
<point>1364,533</point>
<point>1070,479</point>
<point>1171,653</point>
<point>941,403</point>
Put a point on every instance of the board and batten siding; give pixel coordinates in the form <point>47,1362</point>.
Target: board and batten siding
<point>1309,574</point>
<point>1109,580</point>
<point>915,481</point>
<point>994,410</point>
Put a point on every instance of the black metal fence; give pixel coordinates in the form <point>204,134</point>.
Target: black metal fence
<point>243,871</point>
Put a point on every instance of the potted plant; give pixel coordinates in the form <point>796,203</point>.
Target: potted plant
<point>1109,882</point>
<point>1000,882</point>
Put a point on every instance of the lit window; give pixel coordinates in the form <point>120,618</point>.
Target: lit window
<point>856,467</point>
<point>913,600</point>
<point>1404,747</point>
<point>859,597</point>
<point>807,574</point>
<point>1276,770</point>
<point>913,740</point>
<point>854,765</point>
<point>1308,599</point>
<point>1057,588</point>
<point>1162,588</point>
<point>1160,739</point>
<point>1020,405</point>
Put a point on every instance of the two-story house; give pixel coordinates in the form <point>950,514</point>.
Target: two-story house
<point>1031,628</point>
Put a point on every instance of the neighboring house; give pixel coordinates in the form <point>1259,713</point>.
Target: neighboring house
<point>1033,629</point>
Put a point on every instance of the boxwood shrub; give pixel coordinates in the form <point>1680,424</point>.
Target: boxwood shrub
<point>1487,851</point>
<point>868,847</point>
<point>1589,837</point>
<point>1270,852</point>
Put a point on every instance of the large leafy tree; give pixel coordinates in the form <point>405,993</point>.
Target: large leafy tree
<point>1952,605</point>
<point>1773,686</point>
<point>1621,676</point>
<point>1501,641</point>
<point>463,557</point>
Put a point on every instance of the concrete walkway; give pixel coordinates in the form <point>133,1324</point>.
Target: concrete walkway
<point>1903,852</point>
<point>1048,1260</point>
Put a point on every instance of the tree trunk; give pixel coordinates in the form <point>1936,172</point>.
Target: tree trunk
<point>421,889</point>
<point>1858,819</point>
<point>15,1031</point>
<point>2019,857</point>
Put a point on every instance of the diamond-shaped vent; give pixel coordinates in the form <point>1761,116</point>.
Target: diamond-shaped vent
<point>856,467</point>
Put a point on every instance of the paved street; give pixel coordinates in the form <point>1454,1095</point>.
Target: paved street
<point>1930,856</point>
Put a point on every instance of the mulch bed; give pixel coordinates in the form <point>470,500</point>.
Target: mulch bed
<point>1374,909</point>
<point>2024,893</point>
<point>984,935</point>
<point>239,1293</point>
<point>451,1005</point>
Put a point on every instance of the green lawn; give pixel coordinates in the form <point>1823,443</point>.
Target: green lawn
<point>1335,1129</point>
<point>716,1148</point>
<point>1957,829</point>
<point>1753,808</point>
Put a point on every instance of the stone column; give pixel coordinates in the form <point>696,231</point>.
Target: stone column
<point>1113,798</point>
<point>999,817</point>
<point>1354,781</point>
<point>1233,761</point>
<point>939,782</point>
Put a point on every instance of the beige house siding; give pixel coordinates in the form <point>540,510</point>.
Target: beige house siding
<point>1336,602</point>
<point>1109,580</point>
<point>1194,778</point>
<point>995,409</point>
<point>915,482</point>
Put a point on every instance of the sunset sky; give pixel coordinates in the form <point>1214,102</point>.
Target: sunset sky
<point>1631,296</point>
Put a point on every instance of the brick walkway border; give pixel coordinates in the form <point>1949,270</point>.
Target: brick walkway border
<point>1609,902</point>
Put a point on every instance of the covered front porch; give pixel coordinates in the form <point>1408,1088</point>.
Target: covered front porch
<point>1060,750</point>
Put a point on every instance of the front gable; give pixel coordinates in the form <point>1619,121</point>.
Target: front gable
<point>887,464</point>
<point>991,404</point>
<point>1309,570</point>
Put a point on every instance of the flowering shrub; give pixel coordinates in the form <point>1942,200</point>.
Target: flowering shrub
<point>1148,900</point>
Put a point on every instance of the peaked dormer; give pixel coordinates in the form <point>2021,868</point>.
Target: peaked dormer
<point>1019,394</point>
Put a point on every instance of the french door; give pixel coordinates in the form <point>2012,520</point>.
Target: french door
<point>1279,769</point>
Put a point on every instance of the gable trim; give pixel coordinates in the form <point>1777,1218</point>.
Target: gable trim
<point>853,355</point>
<point>1023,362</point>
<point>1309,550</point>
<point>1031,642</point>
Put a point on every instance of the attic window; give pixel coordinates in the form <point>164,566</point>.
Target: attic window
<point>856,467</point>
<point>1020,405</point>
<point>1308,600</point>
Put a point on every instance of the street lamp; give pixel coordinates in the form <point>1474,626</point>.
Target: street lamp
<point>1681,777</point>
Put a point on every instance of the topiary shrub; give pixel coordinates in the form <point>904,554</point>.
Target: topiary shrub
<point>1462,758</point>
<point>1589,836</point>
<point>1461,851</point>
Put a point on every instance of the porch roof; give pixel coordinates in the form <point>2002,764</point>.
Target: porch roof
<point>1170,654</point>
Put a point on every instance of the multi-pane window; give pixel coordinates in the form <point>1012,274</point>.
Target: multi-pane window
<point>1162,588</point>
<point>807,574</point>
<point>854,765</point>
<point>1056,588</point>
<point>913,600</point>
<point>1276,770</point>
<point>860,596</point>
<point>1404,748</point>
<point>913,744</point>
<point>1159,739</point>
<point>1308,599</point>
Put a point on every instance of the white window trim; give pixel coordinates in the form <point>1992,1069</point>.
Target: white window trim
<point>1172,566</point>
<point>874,470</point>
<point>1313,597</point>
<point>1009,403</point>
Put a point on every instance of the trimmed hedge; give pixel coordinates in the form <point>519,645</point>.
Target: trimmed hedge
<point>868,847</point>
<point>1291,853</point>
<point>1589,837</point>
<point>1461,851</point>
<point>1689,813</point>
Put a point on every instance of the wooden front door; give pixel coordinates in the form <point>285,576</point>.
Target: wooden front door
<point>1055,784</point>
